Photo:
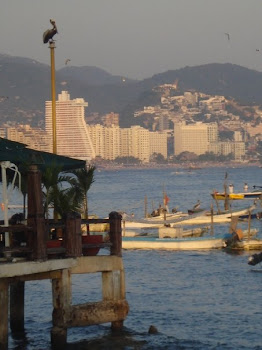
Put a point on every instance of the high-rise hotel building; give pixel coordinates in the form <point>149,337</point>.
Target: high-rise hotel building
<point>195,137</point>
<point>72,136</point>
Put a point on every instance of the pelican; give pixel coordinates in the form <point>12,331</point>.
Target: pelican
<point>197,205</point>
<point>49,33</point>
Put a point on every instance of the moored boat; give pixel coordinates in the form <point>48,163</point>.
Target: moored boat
<point>180,232</point>
<point>148,243</point>
<point>236,196</point>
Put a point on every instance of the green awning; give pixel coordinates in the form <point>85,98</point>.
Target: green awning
<point>18,153</point>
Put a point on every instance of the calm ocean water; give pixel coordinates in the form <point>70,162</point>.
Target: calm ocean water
<point>196,300</point>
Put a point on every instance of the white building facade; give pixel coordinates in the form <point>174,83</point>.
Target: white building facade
<point>72,136</point>
<point>194,137</point>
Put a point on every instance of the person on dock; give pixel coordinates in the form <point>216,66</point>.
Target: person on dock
<point>245,187</point>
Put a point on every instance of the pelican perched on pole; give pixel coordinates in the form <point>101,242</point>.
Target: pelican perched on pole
<point>49,33</point>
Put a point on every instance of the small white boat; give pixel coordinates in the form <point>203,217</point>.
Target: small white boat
<point>151,222</point>
<point>179,232</point>
<point>207,218</point>
<point>149,243</point>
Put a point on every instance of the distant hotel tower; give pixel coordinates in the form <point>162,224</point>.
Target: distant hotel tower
<point>73,139</point>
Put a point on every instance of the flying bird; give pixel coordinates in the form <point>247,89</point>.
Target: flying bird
<point>67,60</point>
<point>228,36</point>
<point>49,33</point>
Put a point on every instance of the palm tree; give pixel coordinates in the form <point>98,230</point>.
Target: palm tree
<point>85,178</point>
<point>66,200</point>
<point>60,191</point>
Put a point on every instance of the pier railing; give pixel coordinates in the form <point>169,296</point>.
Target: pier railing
<point>62,238</point>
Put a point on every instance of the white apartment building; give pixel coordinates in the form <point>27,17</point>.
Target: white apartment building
<point>194,137</point>
<point>140,143</point>
<point>236,148</point>
<point>73,139</point>
<point>126,142</point>
<point>34,138</point>
<point>97,135</point>
<point>112,142</point>
<point>158,143</point>
<point>106,141</point>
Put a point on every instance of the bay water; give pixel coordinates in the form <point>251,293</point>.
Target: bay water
<point>195,299</point>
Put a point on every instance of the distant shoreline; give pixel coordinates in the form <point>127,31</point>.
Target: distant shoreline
<point>188,166</point>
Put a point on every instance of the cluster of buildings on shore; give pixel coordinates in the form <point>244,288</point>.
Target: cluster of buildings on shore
<point>172,120</point>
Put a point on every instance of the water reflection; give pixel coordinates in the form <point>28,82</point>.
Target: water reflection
<point>20,340</point>
<point>115,340</point>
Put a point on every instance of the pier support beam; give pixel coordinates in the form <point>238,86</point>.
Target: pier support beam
<point>4,286</point>
<point>97,312</point>
<point>17,307</point>
<point>62,296</point>
<point>113,284</point>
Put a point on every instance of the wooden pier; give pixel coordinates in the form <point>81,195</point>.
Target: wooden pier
<point>29,258</point>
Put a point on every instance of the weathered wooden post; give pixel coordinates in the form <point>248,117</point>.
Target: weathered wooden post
<point>35,217</point>
<point>115,233</point>
<point>62,296</point>
<point>73,235</point>
<point>4,286</point>
<point>113,281</point>
<point>17,309</point>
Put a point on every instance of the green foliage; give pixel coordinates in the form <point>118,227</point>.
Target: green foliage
<point>61,191</point>
<point>211,157</point>
<point>84,179</point>
<point>158,158</point>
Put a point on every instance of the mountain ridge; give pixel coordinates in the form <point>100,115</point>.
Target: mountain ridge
<point>26,85</point>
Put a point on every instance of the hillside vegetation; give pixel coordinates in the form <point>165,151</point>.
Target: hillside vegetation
<point>25,86</point>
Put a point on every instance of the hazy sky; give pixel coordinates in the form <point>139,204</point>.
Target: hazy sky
<point>135,38</point>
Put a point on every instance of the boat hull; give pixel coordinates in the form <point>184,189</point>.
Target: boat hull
<point>216,218</point>
<point>236,196</point>
<point>148,243</point>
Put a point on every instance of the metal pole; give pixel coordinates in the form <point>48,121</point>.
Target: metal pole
<point>53,92</point>
<point>145,200</point>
